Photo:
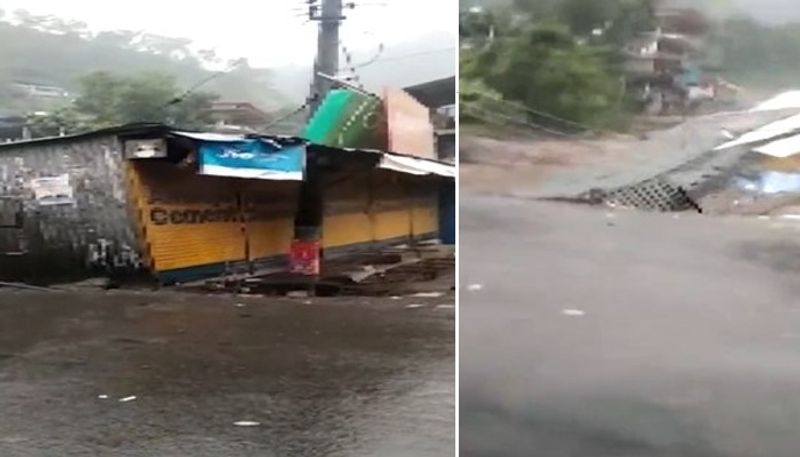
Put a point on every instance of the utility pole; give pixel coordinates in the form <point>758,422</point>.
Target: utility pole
<point>329,15</point>
<point>307,247</point>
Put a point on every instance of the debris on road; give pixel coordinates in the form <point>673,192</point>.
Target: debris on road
<point>428,295</point>
<point>18,285</point>
<point>474,287</point>
<point>573,312</point>
<point>247,423</point>
<point>393,271</point>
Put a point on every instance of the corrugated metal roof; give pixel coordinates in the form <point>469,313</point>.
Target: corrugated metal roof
<point>402,162</point>
<point>786,147</point>
<point>764,133</point>
<point>129,129</point>
<point>435,94</point>
<point>416,166</point>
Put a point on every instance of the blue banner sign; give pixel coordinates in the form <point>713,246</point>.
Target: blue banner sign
<point>252,158</point>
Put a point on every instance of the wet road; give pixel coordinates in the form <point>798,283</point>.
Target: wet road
<point>340,377</point>
<point>627,335</point>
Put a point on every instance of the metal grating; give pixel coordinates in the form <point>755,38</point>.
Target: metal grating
<point>651,195</point>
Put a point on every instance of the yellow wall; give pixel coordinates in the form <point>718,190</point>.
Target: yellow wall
<point>377,206</point>
<point>188,220</point>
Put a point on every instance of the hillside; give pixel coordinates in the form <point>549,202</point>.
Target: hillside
<point>53,53</point>
<point>46,50</point>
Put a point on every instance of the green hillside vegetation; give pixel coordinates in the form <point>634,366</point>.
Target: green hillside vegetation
<point>47,50</point>
<point>546,56</point>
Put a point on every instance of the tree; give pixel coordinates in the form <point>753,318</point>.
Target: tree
<point>547,70</point>
<point>47,50</point>
<point>106,100</point>
<point>583,17</point>
<point>630,18</point>
<point>62,120</point>
<point>619,19</point>
<point>145,98</point>
<point>476,24</point>
<point>98,96</point>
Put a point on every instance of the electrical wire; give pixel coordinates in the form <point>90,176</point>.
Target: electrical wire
<point>407,56</point>
<point>295,112</point>
<point>203,82</point>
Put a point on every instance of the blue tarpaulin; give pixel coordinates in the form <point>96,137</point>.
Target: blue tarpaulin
<point>252,158</point>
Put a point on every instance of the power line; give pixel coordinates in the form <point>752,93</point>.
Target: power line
<point>292,113</point>
<point>205,81</point>
<point>407,56</point>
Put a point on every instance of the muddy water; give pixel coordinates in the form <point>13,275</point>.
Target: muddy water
<point>333,378</point>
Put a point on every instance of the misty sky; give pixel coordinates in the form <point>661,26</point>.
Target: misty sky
<point>269,32</point>
<point>776,11</point>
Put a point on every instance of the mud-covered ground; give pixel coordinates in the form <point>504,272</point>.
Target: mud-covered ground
<point>560,167</point>
<point>332,377</point>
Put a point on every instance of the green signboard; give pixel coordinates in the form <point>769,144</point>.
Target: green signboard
<point>348,119</point>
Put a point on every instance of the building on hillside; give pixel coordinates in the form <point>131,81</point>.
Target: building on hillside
<point>439,97</point>
<point>13,128</point>
<point>664,67</point>
<point>238,117</point>
<point>151,201</point>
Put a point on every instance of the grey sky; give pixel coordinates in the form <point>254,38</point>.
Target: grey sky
<point>269,32</point>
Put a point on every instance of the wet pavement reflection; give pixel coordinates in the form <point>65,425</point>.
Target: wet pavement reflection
<point>337,377</point>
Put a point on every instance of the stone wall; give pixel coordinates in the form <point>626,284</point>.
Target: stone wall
<point>71,196</point>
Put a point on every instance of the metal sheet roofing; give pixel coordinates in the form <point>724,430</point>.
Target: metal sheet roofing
<point>767,132</point>
<point>786,147</point>
<point>388,160</point>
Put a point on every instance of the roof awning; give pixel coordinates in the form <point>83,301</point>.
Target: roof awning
<point>415,166</point>
<point>767,132</point>
<point>237,156</point>
<point>283,158</point>
<point>781,149</point>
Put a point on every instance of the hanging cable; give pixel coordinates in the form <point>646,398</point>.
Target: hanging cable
<point>295,112</point>
<point>237,63</point>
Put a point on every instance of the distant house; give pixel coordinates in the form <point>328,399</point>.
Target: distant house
<point>239,117</point>
<point>12,128</point>
<point>664,67</point>
<point>440,97</point>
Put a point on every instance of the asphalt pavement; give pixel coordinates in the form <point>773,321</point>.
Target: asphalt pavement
<point>130,374</point>
<point>590,333</point>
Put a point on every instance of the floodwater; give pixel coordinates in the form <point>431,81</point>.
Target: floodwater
<point>337,377</point>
